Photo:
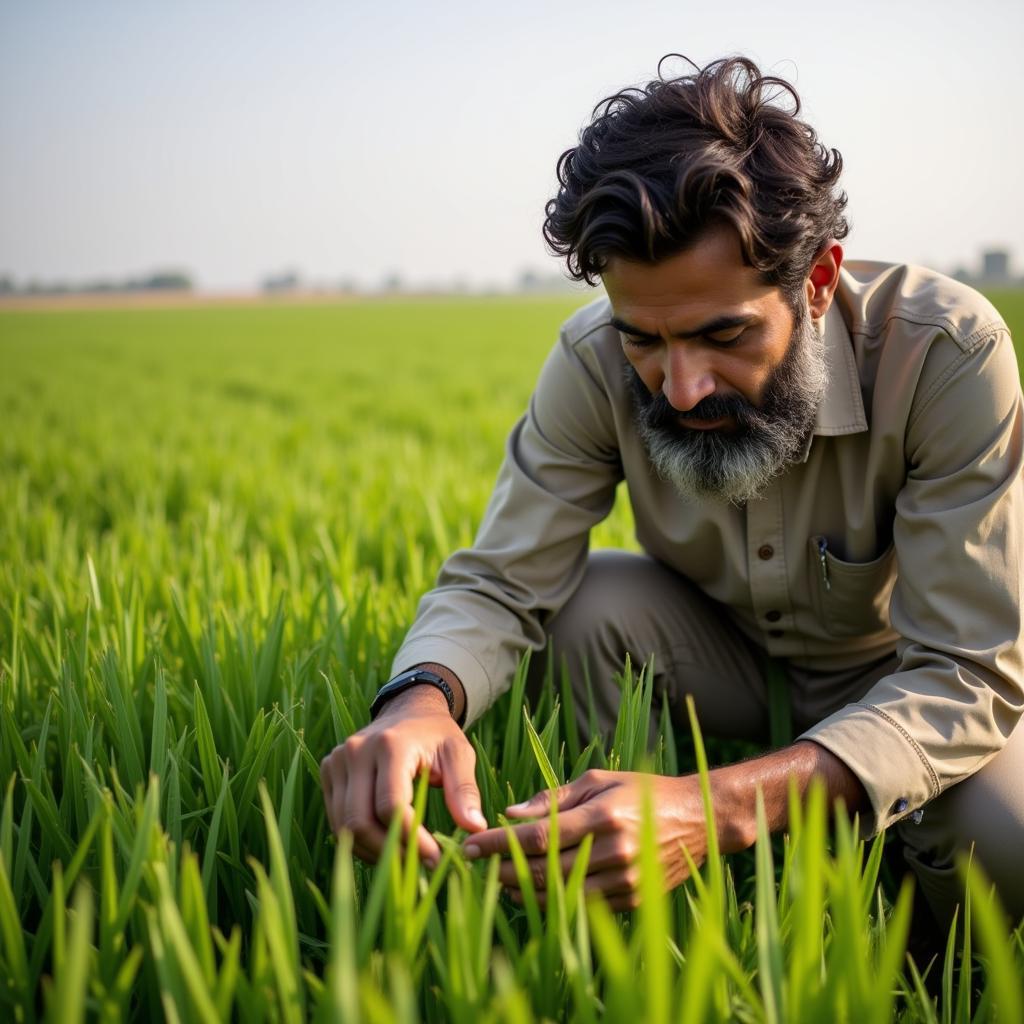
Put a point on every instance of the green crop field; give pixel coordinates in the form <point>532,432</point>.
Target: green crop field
<point>215,525</point>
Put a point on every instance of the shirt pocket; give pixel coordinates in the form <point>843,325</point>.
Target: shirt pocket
<point>851,598</point>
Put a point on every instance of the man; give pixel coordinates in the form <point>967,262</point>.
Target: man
<point>824,465</point>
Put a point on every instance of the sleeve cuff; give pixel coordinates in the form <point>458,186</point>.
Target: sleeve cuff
<point>463,663</point>
<point>893,769</point>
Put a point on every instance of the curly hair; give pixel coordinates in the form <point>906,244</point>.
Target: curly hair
<point>657,166</point>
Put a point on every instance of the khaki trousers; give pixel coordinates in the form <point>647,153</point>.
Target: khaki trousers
<point>629,603</point>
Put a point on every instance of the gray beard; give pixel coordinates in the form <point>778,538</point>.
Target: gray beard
<point>736,466</point>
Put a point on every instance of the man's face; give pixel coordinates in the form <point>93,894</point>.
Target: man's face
<point>725,379</point>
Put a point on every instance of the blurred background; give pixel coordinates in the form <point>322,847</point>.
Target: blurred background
<point>345,147</point>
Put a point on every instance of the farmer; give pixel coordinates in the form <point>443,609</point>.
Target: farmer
<point>823,459</point>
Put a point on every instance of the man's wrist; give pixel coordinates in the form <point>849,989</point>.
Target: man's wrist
<point>426,698</point>
<point>734,790</point>
<point>733,797</point>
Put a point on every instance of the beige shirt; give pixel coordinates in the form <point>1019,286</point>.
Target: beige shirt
<point>901,528</point>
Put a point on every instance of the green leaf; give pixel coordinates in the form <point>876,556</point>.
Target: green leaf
<point>1003,974</point>
<point>769,940</point>
<point>68,1002</point>
<point>15,958</point>
<point>539,754</point>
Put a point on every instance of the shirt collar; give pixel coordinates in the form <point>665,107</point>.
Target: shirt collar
<point>842,408</point>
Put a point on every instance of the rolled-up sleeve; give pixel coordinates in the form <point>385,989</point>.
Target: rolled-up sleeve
<point>557,481</point>
<point>958,691</point>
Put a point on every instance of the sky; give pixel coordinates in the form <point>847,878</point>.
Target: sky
<point>354,140</point>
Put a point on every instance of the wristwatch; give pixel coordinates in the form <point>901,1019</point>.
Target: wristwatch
<point>414,677</point>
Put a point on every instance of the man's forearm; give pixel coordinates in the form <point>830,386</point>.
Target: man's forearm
<point>734,790</point>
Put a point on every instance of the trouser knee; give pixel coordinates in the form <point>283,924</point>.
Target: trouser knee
<point>983,817</point>
<point>630,605</point>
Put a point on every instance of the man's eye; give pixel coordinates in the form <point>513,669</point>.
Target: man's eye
<point>635,342</point>
<point>728,340</point>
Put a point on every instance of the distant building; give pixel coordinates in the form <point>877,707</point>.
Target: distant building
<point>995,265</point>
<point>995,272</point>
<point>277,283</point>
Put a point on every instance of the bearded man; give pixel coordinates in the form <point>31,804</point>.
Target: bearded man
<point>823,460</point>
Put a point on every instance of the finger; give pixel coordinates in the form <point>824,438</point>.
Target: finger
<point>612,850</point>
<point>534,836</point>
<point>540,803</point>
<point>429,851</point>
<point>624,902</point>
<point>325,779</point>
<point>458,762</point>
<point>336,804</point>
<point>541,896</point>
<point>620,903</point>
<point>614,882</point>
<point>393,791</point>
<point>538,867</point>
<point>362,852</point>
<point>359,818</point>
<point>393,787</point>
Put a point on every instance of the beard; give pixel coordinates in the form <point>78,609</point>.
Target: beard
<point>736,465</point>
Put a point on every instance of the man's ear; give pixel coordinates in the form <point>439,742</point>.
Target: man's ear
<point>823,279</point>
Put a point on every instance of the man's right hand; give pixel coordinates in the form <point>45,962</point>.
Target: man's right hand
<point>371,775</point>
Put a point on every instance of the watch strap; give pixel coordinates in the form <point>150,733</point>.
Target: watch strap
<point>406,680</point>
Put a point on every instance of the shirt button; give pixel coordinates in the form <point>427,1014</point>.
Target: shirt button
<point>773,616</point>
<point>900,806</point>
<point>765,551</point>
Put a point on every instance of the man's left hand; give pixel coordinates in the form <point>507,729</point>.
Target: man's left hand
<point>609,805</point>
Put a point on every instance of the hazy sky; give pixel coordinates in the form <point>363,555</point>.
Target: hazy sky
<point>355,139</point>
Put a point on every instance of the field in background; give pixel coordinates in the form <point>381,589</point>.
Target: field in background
<point>215,525</point>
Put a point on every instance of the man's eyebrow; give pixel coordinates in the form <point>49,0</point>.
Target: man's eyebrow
<point>721,323</point>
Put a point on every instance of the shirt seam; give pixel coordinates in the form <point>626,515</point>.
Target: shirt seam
<point>944,378</point>
<point>934,779</point>
<point>873,329</point>
<point>573,343</point>
<point>600,325</point>
<point>841,430</point>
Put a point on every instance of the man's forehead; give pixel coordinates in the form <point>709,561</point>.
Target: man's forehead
<point>683,310</point>
<point>707,279</point>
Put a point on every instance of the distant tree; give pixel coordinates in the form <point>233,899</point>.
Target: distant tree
<point>168,280</point>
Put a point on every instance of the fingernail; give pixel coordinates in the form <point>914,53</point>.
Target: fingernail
<point>477,818</point>
<point>517,807</point>
<point>471,852</point>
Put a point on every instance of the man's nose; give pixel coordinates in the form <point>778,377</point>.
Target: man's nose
<point>688,377</point>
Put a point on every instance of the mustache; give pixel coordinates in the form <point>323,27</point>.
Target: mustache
<point>659,414</point>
